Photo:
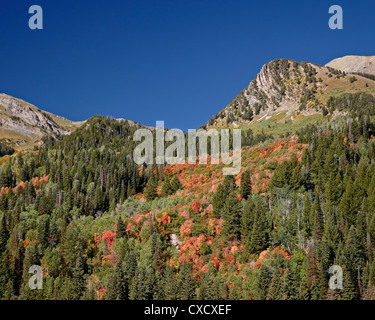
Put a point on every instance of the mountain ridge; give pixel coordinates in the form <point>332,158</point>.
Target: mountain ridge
<point>290,86</point>
<point>354,64</point>
<point>23,124</point>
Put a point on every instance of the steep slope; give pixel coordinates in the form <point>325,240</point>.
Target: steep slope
<point>357,64</point>
<point>22,125</point>
<point>290,89</point>
<point>103,228</point>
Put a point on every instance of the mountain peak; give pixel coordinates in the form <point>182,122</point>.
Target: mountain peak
<point>290,88</point>
<point>356,64</point>
<point>22,124</point>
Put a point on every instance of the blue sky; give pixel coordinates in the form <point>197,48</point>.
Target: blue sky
<point>172,60</point>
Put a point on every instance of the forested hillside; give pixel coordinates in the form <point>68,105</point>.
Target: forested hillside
<point>103,228</point>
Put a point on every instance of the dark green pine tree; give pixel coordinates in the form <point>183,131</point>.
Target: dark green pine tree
<point>290,284</point>
<point>361,229</point>
<point>275,289</point>
<point>5,274</point>
<point>349,291</point>
<point>304,292</point>
<point>43,232</point>
<point>306,223</point>
<point>77,284</point>
<point>230,183</point>
<point>18,267</point>
<point>247,219</point>
<point>170,284</point>
<point>206,290</point>
<point>186,283</point>
<point>142,284</point>
<point>111,290</point>
<point>4,233</point>
<point>279,177</point>
<point>312,275</point>
<point>332,189</point>
<point>245,185</point>
<point>346,204</point>
<point>120,228</point>
<point>331,234</point>
<point>372,274</point>
<point>371,195</point>
<point>129,267</point>
<point>166,188</point>
<point>317,214</point>
<point>372,229</point>
<point>263,282</point>
<point>151,188</point>
<point>259,236</point>
<point>158,290</point>
<point>219,199</point>
<point>54,234</point>
<point>232,216</point>
<point>352,262</point>
<point>175,184</point>
<point>135,287</point>
<point>121,289</point>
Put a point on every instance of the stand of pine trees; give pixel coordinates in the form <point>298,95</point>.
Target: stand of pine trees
<point>71,206</point>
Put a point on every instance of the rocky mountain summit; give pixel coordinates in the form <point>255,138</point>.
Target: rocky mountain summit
<point>354,64</point>
<point>292,87</point>
<point>22,124</point>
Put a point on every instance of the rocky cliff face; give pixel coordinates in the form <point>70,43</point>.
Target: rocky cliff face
<point>22,124</point>
<point>357,64</point>
<point>287,85</point>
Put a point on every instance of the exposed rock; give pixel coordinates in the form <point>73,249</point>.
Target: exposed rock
<point>288,86</point>
<point>280,85</point>
<point>175,241</point>
<point>357,64</point>
<point>21,122</point>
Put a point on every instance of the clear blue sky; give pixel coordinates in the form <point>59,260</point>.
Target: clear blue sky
<point>172,60</point>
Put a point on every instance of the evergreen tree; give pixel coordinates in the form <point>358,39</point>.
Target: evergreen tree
<point>175,184</point>
<point>151,189</point>
<point>247,219</point>
<point>275,289</point>
<point>263,282</point>
<point>166,188</point>
<point>206,290</point>
<point>245,185</point>
<point>186,283</point>
<point>232,216</point>
<point>170,284</point>
<point>259,235</point>
<point>219,199</point>
<point>120,229</point>
<point>4,234</point>
<point>317,214</point>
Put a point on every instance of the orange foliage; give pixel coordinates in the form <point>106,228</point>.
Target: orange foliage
<point>269,253</point>
<point>109,237</point>
<point>185,228</point>
<point>196,206</point>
